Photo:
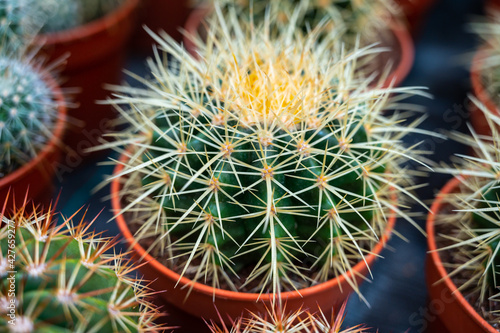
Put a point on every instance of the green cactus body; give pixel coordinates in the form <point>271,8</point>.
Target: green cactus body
<point>27,113</point>
<point>485,220</point>
<point>268,158</point>
<point>64,281</point>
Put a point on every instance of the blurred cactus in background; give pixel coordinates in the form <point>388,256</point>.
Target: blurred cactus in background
<point>28,112</point>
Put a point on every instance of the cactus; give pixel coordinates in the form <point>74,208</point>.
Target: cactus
<point>23,16</point>
<point>28,112</point>
<point>471,224</point>
<point>61,278</point>
<point>350,18</point>
<point>270,156</point>
<point>488,29</point>
<point>278,319</point>
<point>18,25</point>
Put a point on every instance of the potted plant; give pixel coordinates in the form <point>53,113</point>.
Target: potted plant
<point>354,22</point>
<point>262,169</point>
<point>463,234</point>
<point>414,11</point>
<point>58,277</point>
<point>485,71</point>
<point>90,36</point>
<point>32,124</point>
<point>279,319</point>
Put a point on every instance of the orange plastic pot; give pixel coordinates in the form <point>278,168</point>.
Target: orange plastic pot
<point>478,120</point>
<point>415,11</point>
<point>159,15</point>
<point>402,53</point>
<point>96,56</point>
<point>204,301</point>
<point>34,178</point>
<point>454,311</point>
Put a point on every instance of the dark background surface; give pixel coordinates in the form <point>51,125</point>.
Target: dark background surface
<point>397,295</point>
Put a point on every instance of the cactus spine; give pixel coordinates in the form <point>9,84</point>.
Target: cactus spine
<point>279,319</point>
<point>267,154</point>
<point>65,281</point>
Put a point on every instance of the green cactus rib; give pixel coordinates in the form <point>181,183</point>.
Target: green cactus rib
<point>265,168</point>
<point>64,280</point>
<point>28,113</point>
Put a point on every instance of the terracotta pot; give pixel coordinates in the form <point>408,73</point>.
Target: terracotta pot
<point>477,116</point>
<point>203,301</point>
<point>415,11</point>
<point>159,15</point>
<point>96,53</point>
<point>402,53</point>
<point>450,306</point>
<point>34,179</point>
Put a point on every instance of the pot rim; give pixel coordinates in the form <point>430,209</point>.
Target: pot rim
<point>228,294</point>
<point>55,141</point>
<point>477,84</point>
<point>89,29</point>
<point>433,252</point>
<point>398,29</point>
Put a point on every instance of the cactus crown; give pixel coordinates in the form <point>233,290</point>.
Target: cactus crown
<point>28,113</point>
<point>65,281</point>
<point>473,224</point>
<point>271,155</point>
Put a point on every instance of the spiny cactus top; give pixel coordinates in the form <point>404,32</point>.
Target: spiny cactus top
<point>28,113</point>
<point>350,18</point>
<point>280,319</point>
<point>61,278</point>
<point>469,229</point>
<point>265,159</point>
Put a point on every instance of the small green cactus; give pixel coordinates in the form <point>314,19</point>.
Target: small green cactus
<point>17,25</point>
<point>266,154</point>
<point>62,278</point>
<point>469,229</point>
<point>28,113</point>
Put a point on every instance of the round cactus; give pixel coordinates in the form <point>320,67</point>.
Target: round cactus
<point>267,159</point>
<point>22,16</point>
<point>61,278</point>
<point>63,14</point>
<point>28,113</point>
<point>18,25</point>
